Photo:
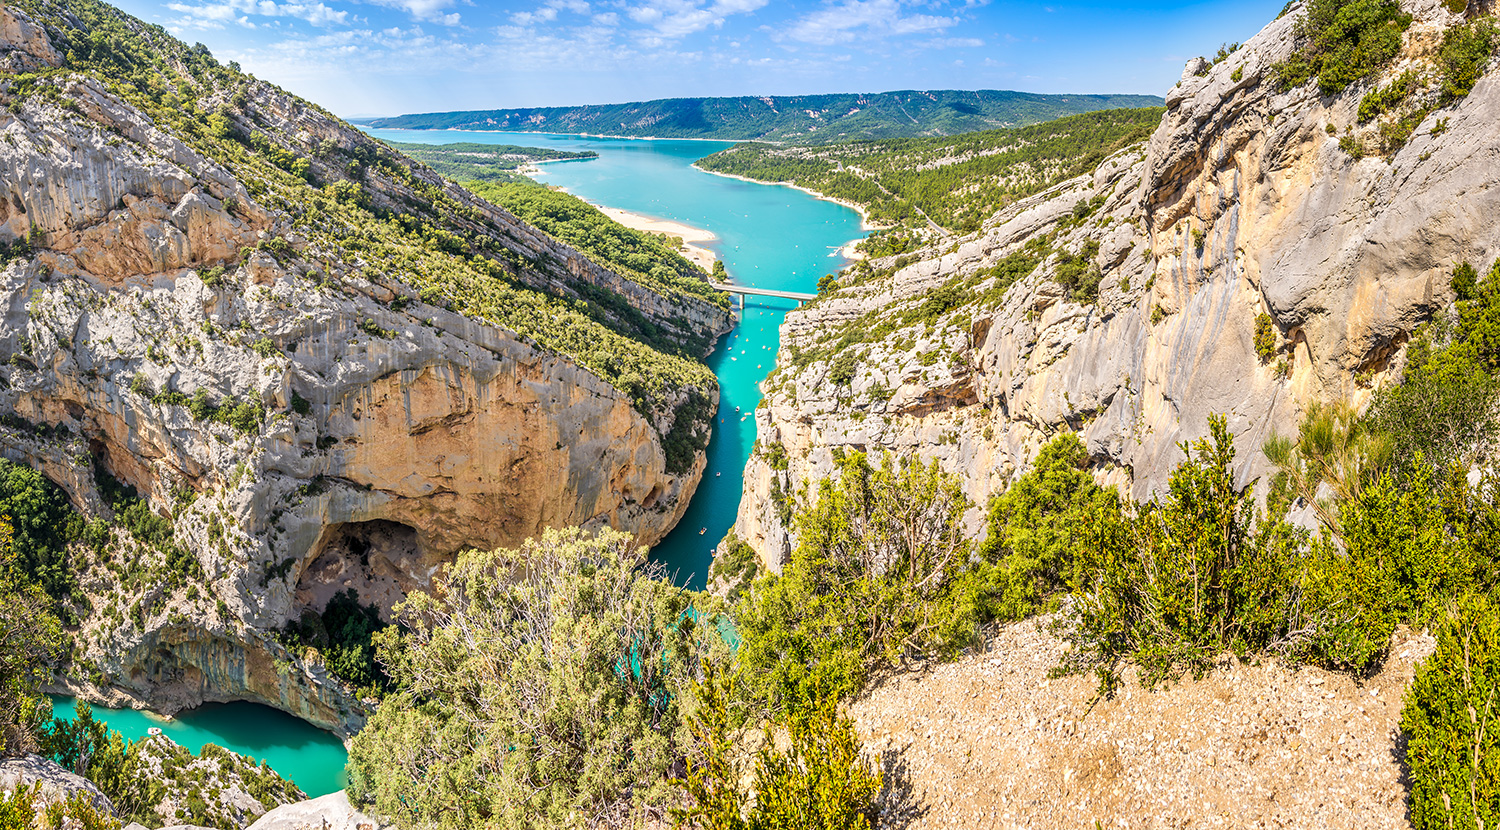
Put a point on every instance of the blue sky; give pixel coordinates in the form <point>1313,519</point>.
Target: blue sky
<point>384,57</point>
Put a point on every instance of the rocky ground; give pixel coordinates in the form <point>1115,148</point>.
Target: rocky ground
<point>991,741</point>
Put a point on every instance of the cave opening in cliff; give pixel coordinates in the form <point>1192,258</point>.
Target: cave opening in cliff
<point>381,561</point>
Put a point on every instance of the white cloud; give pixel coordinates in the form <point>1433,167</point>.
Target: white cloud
<point>672,19</point>
<point>214,15</point>
<point>850,19</point>
<point>953,43</point>
<point>542,15</point>
<point>429,10</point>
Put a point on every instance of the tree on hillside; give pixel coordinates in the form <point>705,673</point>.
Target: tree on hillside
<point>30,641</point>
<point>538,687</point>
<point>881,574</point>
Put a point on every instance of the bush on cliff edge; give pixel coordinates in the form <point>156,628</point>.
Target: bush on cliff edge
<point>1452,721</point>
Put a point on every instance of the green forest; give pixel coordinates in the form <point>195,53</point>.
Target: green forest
<point>803,119</point>
<point>647,258</point>
<point>955,183</point>
<point>482,162</point>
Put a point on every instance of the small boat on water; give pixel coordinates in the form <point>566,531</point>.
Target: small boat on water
<point>702,531</point>
<point>154,731</point>
<point>716,475</point>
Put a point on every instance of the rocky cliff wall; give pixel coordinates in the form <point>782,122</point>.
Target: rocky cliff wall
<point>169,321</point>
<point>1246,200</point>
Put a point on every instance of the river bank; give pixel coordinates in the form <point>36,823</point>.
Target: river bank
<point>866,224</point>
<point>691,237</point>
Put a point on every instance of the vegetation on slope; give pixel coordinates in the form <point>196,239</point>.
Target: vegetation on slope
<point>467,161</point>
<point>1345,42</point>
<point>807,119</point>
<point>955,182</point>
<point>541,687</point>
<point>647,258</point>
<point>363,206</point>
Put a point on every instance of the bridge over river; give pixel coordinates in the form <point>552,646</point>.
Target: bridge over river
<point>763,292</point>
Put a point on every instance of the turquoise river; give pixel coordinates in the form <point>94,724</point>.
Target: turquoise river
<point>768,237</point>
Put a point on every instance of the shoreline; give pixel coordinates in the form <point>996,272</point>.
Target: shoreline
<point>864,217</point>
<point>691,236</point>
<point>577,135</point>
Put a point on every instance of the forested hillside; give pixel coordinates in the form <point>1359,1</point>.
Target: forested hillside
<point>808,119</point>
<point>954,183</point>
<point>486,170</point>
<point>467,161</point>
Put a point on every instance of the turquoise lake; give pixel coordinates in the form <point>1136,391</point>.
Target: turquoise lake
<point>302,753</point>
<point>768,237</point>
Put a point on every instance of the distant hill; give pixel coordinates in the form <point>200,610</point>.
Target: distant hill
<point>807,119</point>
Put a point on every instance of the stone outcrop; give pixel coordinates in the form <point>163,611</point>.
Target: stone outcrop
<point>216,787</point>
<point>330,812</point>
<point>50,783</point>
<point>177,325</point>
<point>1246,200</point>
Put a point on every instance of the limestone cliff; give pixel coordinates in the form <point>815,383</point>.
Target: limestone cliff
<point>1247,200</point>
<point>323,364</point>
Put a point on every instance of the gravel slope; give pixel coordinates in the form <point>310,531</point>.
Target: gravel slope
<point>991,742</point>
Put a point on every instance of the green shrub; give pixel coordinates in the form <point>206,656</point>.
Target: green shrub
<point>1450,720</point>
<point>1409,548</point>
<point>300,405</point>
<point>1445,407</point>
<point>1265,337</point>
<point>1343,41</point>
<point>1172,584</point>
<point>841,371</point>
<point>1035,525</point>
<point>30,642</point>
<point>1335,449</point>
<point>819,782</point>
<point>537,686</point>
<point>1078,273</point>
<point>1466,51</point>
<point>1465,281</point>
<point>881,573</point>
<point>373,329</point>
<point>1388,98</point>
<point>141,385</point>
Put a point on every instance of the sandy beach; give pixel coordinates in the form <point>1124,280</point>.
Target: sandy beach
<point>699,255</point>
<point>864,217</point>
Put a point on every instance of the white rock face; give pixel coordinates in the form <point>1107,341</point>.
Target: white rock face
<point>1241,203</point>
<point>330,812</point>
<point>387,423</point>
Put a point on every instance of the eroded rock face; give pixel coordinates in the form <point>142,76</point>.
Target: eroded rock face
<point>143,295</point>
<point>1242,203</point>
